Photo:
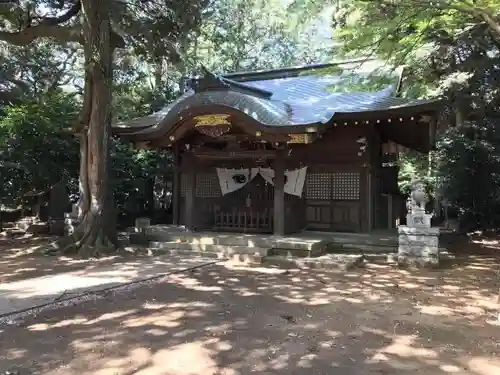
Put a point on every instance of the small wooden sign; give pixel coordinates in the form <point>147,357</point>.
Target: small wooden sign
<point>212,120</point>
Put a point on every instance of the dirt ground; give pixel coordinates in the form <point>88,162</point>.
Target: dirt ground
<point>221,320</point>
<point>20,259</point>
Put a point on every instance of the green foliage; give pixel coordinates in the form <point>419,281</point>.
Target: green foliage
<point>34,149</point>
<point>414,167</point>
<point>450,49</point>
<point>243,35</point>
<point>36,152</point>
<point>134,95</point>
<point>131,172</point>
<point>469,172</point>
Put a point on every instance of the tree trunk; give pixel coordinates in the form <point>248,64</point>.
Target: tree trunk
<point>84,202</point>
<point>96,232</point>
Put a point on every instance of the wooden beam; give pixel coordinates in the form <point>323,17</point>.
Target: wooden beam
<point>190,200</point>
<point>251,154</point>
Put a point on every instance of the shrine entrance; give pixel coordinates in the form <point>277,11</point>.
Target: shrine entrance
<point>247,210</point>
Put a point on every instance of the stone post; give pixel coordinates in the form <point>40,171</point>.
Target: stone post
<point>418,247</point>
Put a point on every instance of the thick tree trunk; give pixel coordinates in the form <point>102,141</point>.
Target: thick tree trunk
<point>97,230</point>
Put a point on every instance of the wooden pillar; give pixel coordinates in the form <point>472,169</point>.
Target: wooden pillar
<point>279,194</point>
<point>189,202</point>
<point>390,215</point>
<point>369,193</point>
<point>176,188</point>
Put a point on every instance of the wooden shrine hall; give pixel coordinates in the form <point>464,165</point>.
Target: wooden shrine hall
<point>281,151</point>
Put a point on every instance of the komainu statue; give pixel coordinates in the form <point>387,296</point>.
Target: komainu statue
<point>418,198</point>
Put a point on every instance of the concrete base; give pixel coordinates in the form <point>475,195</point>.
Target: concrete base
<point>418,247</point>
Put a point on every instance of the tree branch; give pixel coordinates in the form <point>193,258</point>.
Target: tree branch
<point>478,13</point>
<point>462,6</point>
<point>47,27</point>
<point>50,27</point>
<point>28,35</point>
<point>72,12</point>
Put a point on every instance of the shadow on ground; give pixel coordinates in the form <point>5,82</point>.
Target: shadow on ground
<point>28,279</point>
<point>21,259</point>
<point>235,321</point>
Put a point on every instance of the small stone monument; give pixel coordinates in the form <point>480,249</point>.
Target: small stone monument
<point>139,236</point>
<point>71,219</point>
<point>418,241</point>
<point>142,223</point>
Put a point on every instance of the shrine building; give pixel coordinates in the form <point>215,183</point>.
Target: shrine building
<point>282,151</point>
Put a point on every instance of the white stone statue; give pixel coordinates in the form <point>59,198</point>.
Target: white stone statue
<point>416,216</point>
<point>418,198</point>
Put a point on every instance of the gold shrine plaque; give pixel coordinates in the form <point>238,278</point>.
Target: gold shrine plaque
<point>301,138</point>
<point>211,120</point>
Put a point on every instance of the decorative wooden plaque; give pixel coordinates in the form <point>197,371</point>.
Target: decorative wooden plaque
<point>211,120</point>
<point>302,138</point>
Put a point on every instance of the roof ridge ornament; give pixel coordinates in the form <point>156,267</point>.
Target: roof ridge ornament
<point>214,82</point>
<point>209,81</point>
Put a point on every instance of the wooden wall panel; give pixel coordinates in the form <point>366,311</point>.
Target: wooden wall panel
<point>318,214</point>
<point>333,198</point>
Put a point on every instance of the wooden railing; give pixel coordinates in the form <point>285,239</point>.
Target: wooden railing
<point>244,221</point>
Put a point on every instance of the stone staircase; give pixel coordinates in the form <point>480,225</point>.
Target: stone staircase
<point>239,247</point>
<point>304,250</point>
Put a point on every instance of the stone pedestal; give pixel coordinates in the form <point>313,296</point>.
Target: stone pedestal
<point>418,219</point>
<point>418,246</point>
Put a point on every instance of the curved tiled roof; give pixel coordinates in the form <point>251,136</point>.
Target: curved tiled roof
<point>295,101</point>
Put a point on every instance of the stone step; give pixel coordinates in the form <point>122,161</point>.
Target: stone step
<point>209,248</point>
<point>357,238</point>
<point>235,257</point>
<point>340,262</point>
<point>365,242</point>
<point>336,248</point>
<point>247,240</point>
<point>316,251</point>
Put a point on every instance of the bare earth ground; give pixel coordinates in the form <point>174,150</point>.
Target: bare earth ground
<point>32,280</point>
<point>222,320</point>
<point>20,259</point>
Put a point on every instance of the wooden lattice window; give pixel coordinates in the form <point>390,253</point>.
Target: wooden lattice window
<point>345,186</point>
<point>318,186</point>
<point>207,185</point>
<point>183,184</point>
